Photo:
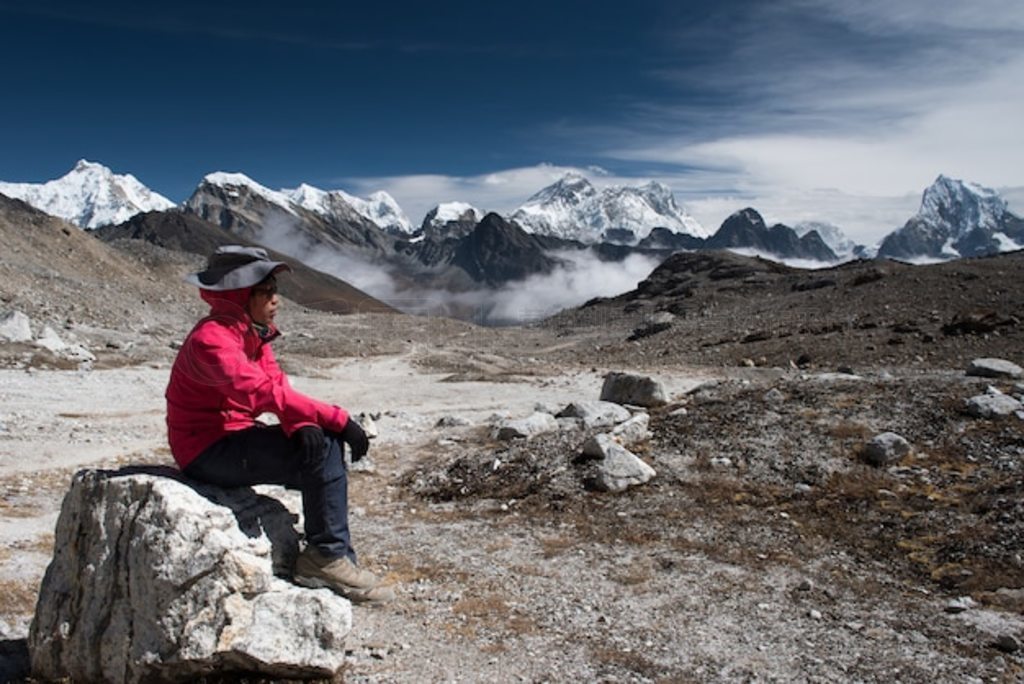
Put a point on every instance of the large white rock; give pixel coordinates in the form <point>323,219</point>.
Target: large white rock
<point>637,390</point>
<point>596,414</point>
<point>536,423</point>
<point>15,327</point>
<point>992,405</point>
<point>995,368</point>
<point>618,469</point>
<point>158,579</point>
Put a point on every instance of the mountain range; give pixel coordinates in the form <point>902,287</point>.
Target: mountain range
<point>457,248</point>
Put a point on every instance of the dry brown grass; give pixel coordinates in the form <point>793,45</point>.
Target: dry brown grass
<point>556,546</point>
<point>17,597</point>
<point>490,611</point>
<point>850,429</point>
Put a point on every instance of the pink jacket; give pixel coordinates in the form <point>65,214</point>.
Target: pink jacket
<point>225,376</point>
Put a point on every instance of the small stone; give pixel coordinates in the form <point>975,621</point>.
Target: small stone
<point>774,396</point>
<point>1007,644</point>
<point>814,614</point>
<point>960,604</point>
<point>885,448</point>
<point>805,585</point>
<point>802,488</point>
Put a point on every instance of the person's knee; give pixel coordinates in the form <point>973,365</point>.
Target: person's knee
<point>327,464</point>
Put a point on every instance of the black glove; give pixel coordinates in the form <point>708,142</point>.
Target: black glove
<point>356,439</point>
<point>309,442</point>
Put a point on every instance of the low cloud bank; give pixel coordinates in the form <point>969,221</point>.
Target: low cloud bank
<point>583,277</point>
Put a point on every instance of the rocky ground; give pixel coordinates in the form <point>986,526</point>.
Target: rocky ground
<point>766,548</point>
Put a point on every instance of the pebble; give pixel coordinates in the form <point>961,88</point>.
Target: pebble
<point>814,614</point>
<point>805,585</point>
<point>960,604</point>
<point>1007,644</point>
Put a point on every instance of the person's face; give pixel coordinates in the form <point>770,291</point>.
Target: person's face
<point>263,302</point>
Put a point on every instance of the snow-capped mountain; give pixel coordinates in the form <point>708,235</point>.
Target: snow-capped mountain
<point>334,205</point>
<point>380,207</point>
<point>831,234</point>
<point>451,220</point>
<point>956,219</point>
<point>90,195</point>
<point>572,208</point>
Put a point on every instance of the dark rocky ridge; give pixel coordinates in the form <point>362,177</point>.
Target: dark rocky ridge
<point>729,309</point>
<point>185,232</point>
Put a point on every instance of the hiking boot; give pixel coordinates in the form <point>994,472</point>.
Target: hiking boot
<point>341,576</point>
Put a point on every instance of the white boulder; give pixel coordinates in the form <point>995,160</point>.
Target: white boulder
<point>617,468</point>
<point>995,368</point>
<point>15,327</point>
<point>155,578</point>
<point>992,405</point>
<point>596,414</point>
<point>535,424</point>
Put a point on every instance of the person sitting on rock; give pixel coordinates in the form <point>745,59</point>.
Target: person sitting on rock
<point>224,376</point>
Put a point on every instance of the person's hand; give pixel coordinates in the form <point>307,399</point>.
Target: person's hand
<point>356,439</point>
<point>309,442</point>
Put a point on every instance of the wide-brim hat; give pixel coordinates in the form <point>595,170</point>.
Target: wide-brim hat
<point>233,267</point>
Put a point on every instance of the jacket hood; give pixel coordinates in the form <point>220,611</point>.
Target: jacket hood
<point>233,303</point>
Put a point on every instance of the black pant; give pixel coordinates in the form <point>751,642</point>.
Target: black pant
<point>264,455</point>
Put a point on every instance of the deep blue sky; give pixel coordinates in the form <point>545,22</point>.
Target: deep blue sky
<point>723,100</point>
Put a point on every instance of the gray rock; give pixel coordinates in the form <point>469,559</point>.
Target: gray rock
<point>662,317</point>
<point>774,396</point>
<point>451,421</point>
<point>626,388</point>
<point>617,469</point>
<point>992,406</point>
<point>596,414</point>
<point>885,448</point>
<point>960,604</point>
<point>15,327</point>
<point>995,368</point>
<point>49,339</point>
<point>633,431</point>
<point>526,428</point>
<point>1007,643</point>
<point>157,579</point>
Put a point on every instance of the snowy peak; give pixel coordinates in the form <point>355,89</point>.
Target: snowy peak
<point>960,207</point>
<point>380,209</point>
<point>831,234</point>
<point>956,219</point>
<point>572,208</point>
<point>90,195</point>
<point>451,220</point>
<point>452,211</point>
<point>572,189</point>
<point>233,183</point>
